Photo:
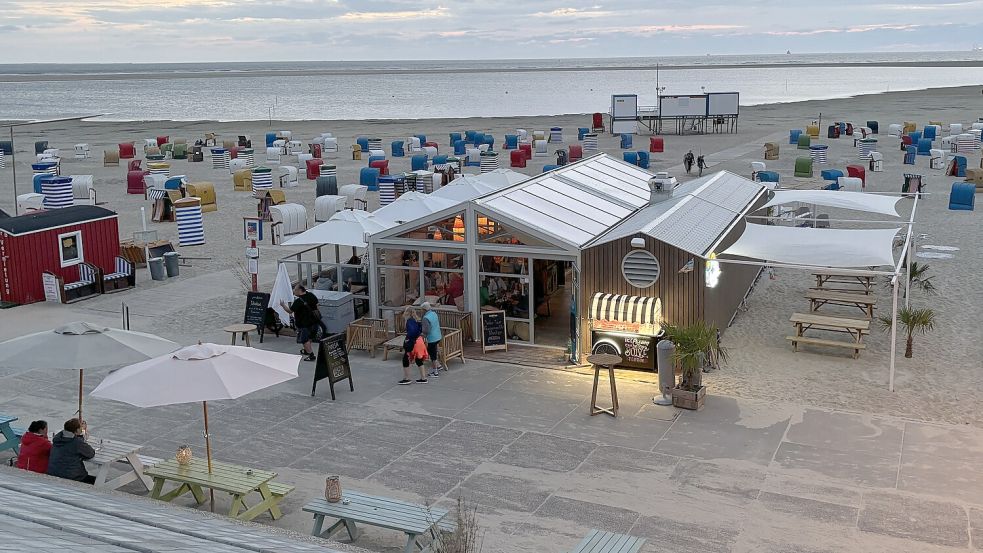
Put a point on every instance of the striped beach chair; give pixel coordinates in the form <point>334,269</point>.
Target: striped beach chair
<point>122,277</point>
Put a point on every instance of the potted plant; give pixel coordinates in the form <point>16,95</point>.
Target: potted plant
<point>913,321</point>
<point>696,346</point>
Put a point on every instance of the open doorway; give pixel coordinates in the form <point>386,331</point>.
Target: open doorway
<point>552,287</point>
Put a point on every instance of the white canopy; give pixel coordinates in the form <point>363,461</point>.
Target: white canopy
<point>345,228</point>
<point>469,187</point>
<point>873,203</point>
<point>412,206</point>
<point>816,247</point>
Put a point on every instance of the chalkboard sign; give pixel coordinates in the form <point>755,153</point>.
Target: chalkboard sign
<point>332,363</point>
<point>256,304</point>
<point>493,331</point>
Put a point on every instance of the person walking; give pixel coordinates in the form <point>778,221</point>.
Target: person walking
<point>414,347</point>
<point>688,161</point>
<point>304,321</point>
<point>35,448</point>
<point>68,451</point>
<point>432,335</point>
<point>701,164</point>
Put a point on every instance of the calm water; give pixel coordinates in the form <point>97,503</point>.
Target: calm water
<point>434,89</point>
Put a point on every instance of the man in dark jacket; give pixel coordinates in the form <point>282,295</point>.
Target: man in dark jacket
<point>68,451</point>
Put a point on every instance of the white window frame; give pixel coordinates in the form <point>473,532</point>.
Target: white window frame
<point>61,252</point>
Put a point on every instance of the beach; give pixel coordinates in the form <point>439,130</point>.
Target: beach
<point>763,384</point>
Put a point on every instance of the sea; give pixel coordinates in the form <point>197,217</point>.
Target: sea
<point>420,89</point>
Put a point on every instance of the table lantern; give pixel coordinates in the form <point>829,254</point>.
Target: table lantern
<point>332,489</point>
<point>183,455</point>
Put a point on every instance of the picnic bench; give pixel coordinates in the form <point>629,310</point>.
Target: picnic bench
<point>864,302</point>
<point>11,435</point>
<point>856,328</point>
<point>237,481</point>
<point>598,541</point>
<point>357,508</point>
<point>109,452</point>
<point>849,282</point>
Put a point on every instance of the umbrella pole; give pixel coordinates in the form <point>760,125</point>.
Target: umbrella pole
<point>81,371</point>
<point>208,451</point>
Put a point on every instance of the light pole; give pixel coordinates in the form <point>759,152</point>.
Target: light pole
<point>13,155</point>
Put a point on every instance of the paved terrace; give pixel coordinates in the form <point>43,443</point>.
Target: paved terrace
<point>739,476</point>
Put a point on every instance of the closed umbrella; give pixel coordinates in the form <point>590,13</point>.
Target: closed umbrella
<point>81,346</point>
<point>205,372</point>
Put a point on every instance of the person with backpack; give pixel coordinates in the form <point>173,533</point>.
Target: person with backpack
<point>305,321</point>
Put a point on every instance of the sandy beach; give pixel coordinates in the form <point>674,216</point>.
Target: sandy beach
<point>941,384</point>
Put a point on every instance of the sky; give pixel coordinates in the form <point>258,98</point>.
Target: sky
<point>112,31</point>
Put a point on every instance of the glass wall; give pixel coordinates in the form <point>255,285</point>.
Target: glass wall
<point>405,280</point>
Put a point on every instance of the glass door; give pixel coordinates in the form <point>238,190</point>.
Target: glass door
<point>504,285</point>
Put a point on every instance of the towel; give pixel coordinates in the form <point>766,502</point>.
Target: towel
<point>282,291</point>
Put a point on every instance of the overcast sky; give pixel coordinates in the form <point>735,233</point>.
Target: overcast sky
<point>259,30</point>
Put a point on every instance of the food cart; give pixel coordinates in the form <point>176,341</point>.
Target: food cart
<point>627,326</point>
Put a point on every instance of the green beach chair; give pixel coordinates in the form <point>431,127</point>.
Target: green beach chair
<point>168,147</point>
<point>803,165</point>
<point>179,151</point>
<point>804,141</point>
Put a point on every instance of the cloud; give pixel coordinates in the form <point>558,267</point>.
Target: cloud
<point>396,15</point>
<point>854,29</point>
<point>594,11</point>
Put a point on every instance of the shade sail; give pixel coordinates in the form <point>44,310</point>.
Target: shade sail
<point>345,228</point>
<point>859,201</point>
<point>816,247</point>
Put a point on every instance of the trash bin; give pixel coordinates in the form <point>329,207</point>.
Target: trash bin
<point>667,376</point>
<point>157,268</point>
<point>171,260</point>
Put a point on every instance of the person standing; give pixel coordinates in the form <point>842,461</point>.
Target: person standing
<point>688,161</point>
<point>701,164</point>
<point>432,335</point>
<point>68,451</point>
<point>304,321</point>
<point>414,347</point>
<point>35,448</point>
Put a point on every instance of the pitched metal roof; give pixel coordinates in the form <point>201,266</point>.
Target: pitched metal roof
<point>575,203</point>
<point>697,215</point>
<point>54,218</point>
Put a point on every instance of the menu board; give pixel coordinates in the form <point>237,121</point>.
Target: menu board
<point>256,304</point>
<point>332,363</point>
<point>493,331</point>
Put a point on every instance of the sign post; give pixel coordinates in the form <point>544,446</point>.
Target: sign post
<point>252,230</point>
<point>493,335</point>
<point>332,363</point>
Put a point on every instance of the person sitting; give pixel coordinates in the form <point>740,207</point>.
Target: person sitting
<point>324,281</point>
<point>68,451</point>
<point>35,448</point>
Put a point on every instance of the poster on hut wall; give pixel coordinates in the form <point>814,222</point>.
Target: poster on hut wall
<point>50,283</point>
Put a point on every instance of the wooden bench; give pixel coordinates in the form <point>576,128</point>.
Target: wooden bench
<point>855,346</point>
<point>123,277</point>
<point>85,286</point>
<point>598,541</point>
<point>451,345</point>
<point>367,334</point>
<point>819,297</point>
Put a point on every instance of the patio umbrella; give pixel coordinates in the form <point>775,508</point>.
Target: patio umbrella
<point>345,228</point>
<point>205,372</point>
<point>81,346</point>
<point>413,205</point>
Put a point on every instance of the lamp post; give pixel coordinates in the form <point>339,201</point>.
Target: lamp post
<point>13,155</point>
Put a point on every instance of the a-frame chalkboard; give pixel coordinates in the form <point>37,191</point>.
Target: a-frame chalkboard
<point>256,303</point>
<point>332,363</point>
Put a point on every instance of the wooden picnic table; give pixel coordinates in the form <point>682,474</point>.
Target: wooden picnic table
<point>109,452</point>
<point>856,328</point>
<point>11,439</point>
<point>864,302</point>
<point>825,278</point>
<point>233,479</point>
<point>410,518</point>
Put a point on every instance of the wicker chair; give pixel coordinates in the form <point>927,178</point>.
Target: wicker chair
<point>451,345</point>
<point>367,334</point>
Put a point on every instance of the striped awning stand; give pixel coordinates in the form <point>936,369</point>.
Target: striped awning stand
<point>641,314</point>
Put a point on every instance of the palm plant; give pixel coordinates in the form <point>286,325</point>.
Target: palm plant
<point>918,278</point>
<point>695,343</point>
<point>913,321</point>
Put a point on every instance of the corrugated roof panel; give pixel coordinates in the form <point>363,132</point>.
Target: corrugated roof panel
<point>626,168</point>
<point>532,218</point>
<point>614,186</point>
<point>585,198</point>
<point>694,227</point>
<point>532,197</point>
<point>550,196</point>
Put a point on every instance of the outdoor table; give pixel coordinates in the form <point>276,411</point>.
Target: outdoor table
<point>824,278</point>
<point>410,518</point>
<point>864,302</point>
<point>608,361</point>
<point>109,452</point>
<point>856,328</point>
<point>237,481</point>
<point>10,438</point>
<point>240,329</point>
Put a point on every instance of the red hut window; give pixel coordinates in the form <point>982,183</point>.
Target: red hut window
<point>70,248</point>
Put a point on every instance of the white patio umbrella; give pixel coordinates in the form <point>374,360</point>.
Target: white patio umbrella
<point>205,372</point>
<point>345,228</point>
<point>413,205</point>
<point>80,346</point>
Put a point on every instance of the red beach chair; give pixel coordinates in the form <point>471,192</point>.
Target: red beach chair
<point>518,158</point>
<point>382,165</point>
<point>134,165</point>
<point>314,168</point>
<point>526,150</point>
<point>134,181</point>
<point>233,152</point>
<point>161,140</point>
<point>656,144</point>
<point>432,144</point>
<point>576,152</point>
<point>597,124</point>
<point>127,150</point>
<point>857,171</point>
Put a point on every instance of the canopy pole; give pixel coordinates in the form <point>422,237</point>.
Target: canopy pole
<point>907,271</point>
<point>894,333</point>
<point>81,371</point>
<point>208,451</point>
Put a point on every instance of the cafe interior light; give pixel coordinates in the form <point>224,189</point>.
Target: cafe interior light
<point>712,271</point>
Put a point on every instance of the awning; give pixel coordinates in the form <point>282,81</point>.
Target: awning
<point>348,227</point>
<point>642,310</point>
<point>816,247</point>
<point>859,201</point>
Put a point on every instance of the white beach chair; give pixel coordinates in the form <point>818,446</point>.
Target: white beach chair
<point>538,135</point>
<point>413,144</point>
<point>539,148</point>
<point>756,167</point>
<point>154,180</point>
<point>850,184</point>
<point>936,158</point>
<point>287,175</point>
<point>302,159</point>
<point>355,195</point>
<point>237,164</point>
<point>955,128</point>
<point>377,153</point>
<point>327,205</point>
<point>30,202</point>
<point>523,135</point>
<point>295,147</point>
<point>876,162</point>
<point>81,151</point>
<point>287,219</point>
<point>83,190</point>
<point>281,144</point>
<point>149,143</point>
<point>330,145</point>
<point>430,151</point>
<point>894,130</point>
<point>273,155</point>
<point>285,135</point>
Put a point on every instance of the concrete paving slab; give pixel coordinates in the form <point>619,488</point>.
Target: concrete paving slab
<point>944,442</point>
<point>478,377</point>
<point>632,461</point>
<point>666,534</point>
<point>931,474</point>
<point>848,432</point>
<point>589,514</point>
<point>263,453</point>
<point>352,458</point>
<point>914,518</point>
<point>426,399</point>
<point>468,440</point>
<point>429,474</point>
<point>816,489</point>
<point>976,528</point>
<point>859,468</point>
<point>505,492</point>
<point>541,451</point>
<point>400,427</point>
<point>817,511</point>
<point>695,437</point>
<point>519,410</point>
<point>621,431</point>
<point>725,479</point>
<point>552,383</point>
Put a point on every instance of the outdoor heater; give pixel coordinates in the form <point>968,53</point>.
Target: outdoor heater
<point>627,326</point>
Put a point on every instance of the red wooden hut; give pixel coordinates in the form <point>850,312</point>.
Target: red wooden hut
<point>58,241</point>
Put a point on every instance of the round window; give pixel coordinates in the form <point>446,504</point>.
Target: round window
<point>640,268</point>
